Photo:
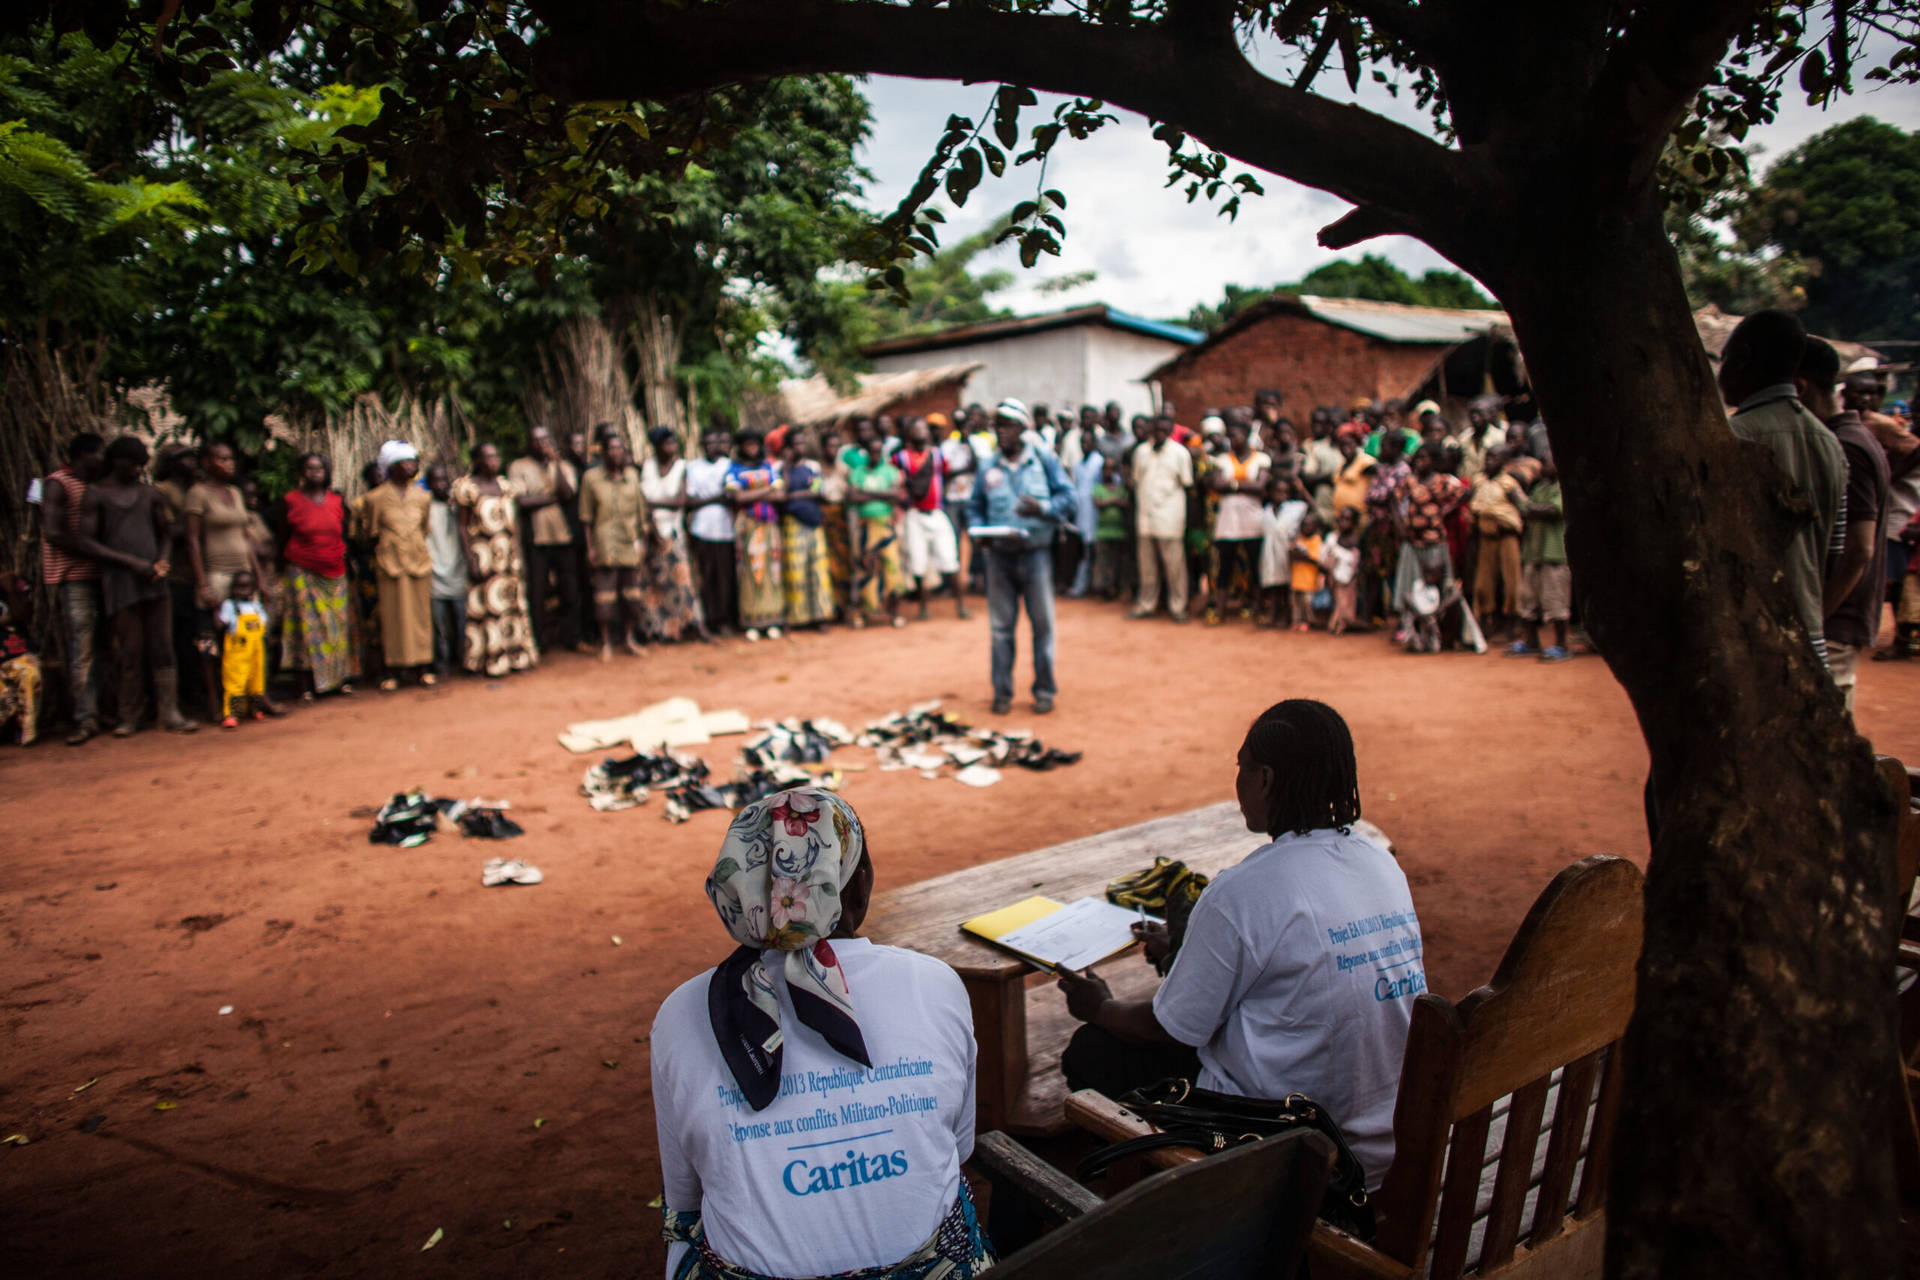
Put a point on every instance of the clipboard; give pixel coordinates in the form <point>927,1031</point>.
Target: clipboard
<point>1052,935</point>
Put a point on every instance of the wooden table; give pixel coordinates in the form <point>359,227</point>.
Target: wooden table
<point>1020,1020</point>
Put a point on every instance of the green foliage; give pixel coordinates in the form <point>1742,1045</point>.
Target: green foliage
<point>1372,277</point>
<point>943,290</point>
<point>1847,203</point>
<point>315,270</point>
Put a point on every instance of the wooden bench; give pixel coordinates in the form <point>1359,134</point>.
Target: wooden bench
<point>1498,1112</point>
<point>1245,1215</point>
<point>1019,1020</point>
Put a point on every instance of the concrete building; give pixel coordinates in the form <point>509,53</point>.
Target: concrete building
<point>1086,355</point>
<point>1334,351</point>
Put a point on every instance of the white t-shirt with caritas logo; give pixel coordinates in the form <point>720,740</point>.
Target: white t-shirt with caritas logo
<point>1297,975</point>
<point>848,1167</point>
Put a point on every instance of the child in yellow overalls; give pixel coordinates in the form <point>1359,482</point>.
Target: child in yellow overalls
<point>243,658</point>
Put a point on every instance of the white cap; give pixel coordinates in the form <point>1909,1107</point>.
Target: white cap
<point>396,451</point>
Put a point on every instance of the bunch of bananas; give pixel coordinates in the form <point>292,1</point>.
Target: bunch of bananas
<point>1167,881</point>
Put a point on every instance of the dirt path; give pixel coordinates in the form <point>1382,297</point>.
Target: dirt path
<point>409,1051</point>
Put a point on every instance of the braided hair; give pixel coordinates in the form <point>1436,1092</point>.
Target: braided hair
<point>1316,783</point>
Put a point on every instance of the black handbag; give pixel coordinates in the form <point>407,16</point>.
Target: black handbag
<point>1214,1122</point>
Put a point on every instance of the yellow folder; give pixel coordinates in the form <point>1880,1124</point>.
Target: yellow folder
<point>993,925</point>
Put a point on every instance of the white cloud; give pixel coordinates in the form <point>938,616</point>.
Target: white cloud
<point>1157,255</point>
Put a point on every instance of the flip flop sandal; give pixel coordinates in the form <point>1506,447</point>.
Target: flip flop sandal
<point>429,680</point>
<point>389,685</point>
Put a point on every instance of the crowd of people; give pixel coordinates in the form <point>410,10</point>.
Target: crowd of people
<point>1378,516</point>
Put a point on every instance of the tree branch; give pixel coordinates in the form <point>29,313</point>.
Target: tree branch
<point>627,49</point>
<point>1654,71</point>
<point>1358,225</point>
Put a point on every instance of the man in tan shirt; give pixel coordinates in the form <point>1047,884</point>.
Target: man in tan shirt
<point>546,483</point>
<point>1162,474</point>
<point>614,517</point>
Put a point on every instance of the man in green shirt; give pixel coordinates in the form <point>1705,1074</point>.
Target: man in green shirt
<point>1757,368</point>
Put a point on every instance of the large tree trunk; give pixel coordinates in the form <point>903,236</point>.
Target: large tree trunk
<point>1761,1054</point>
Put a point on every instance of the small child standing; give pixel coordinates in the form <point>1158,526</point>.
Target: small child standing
<point>447,547</point>
<point>1546,584</point>
<point>1279,525</point>
<point>1340,557</point>
<point>1305,557</point>
<point>243,656</point>
<point>1112,532</point>
<point>1420,620</point>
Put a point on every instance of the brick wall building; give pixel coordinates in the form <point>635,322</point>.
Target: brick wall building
<point>1319,351</point>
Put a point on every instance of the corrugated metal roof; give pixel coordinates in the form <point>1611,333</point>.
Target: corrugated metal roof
<point>1153,328</point>
<point>1386,321</point>
<point>1018,326</point>
<point>1397,322</point>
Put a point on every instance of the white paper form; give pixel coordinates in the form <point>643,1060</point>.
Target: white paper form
<point>1079,934</point>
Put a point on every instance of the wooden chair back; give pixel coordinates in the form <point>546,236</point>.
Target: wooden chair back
<point>1237,1216</point>
<point>1549,1024</point>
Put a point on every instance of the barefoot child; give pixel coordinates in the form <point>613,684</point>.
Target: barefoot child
<point>243,657</point>
<point>1340,557</point>
<point>1279,525</point>
<point>1305,558</point>
<point>1112,537</point>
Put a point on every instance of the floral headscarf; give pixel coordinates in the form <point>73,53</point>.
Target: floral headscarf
<point>777,888</point>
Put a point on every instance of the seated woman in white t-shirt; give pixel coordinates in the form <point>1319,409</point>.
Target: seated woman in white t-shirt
<point>1299,965</point>
<point>814,1098</point>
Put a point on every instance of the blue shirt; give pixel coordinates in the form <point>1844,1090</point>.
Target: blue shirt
<point>1001,485</point>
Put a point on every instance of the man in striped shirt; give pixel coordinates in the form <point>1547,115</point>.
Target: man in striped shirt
<point>74,575</point>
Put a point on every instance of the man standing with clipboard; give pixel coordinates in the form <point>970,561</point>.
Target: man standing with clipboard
<point>1020,500</point>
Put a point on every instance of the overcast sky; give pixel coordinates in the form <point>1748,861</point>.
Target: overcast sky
<point>1155,254</point>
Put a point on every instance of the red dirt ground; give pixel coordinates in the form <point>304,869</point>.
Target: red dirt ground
<point>409,1051</point>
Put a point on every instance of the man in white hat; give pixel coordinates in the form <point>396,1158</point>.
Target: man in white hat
<point>1021,499</point>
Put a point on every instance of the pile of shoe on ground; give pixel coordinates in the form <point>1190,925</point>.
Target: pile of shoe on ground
<point>784,753</point>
